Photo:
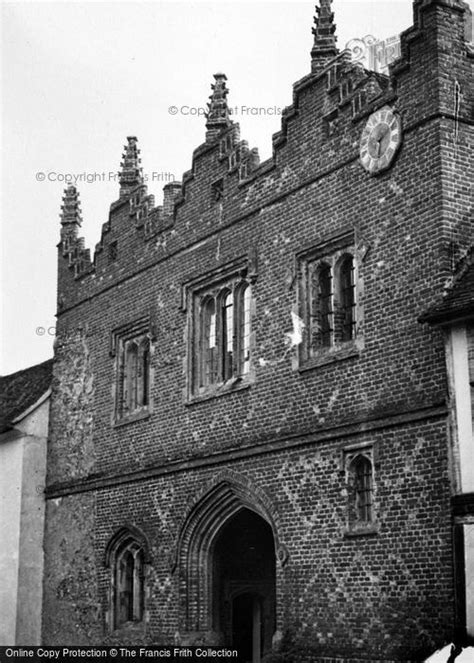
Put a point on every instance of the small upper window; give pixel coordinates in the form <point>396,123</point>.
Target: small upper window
<point>362,488</point>
<point>345,89</point>
<point>217,191</point>
<point>113,251</point>
<point>358,102</point>
<point>332,76</point>
<point>359,472</point>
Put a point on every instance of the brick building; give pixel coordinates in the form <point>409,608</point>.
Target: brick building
<point>250,439</point>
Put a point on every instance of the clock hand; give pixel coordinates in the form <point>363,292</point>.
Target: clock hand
<point>377,147</point>
<point>379,143</point>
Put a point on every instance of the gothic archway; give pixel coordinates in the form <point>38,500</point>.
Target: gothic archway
<point>199,540</point>
<point>244,585</point>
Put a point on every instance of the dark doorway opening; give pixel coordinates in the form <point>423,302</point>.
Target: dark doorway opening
<point>247,626</point>
<point>244,585</point>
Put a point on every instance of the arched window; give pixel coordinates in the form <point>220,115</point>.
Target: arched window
<point>347,298</point>
<point>324,304</point>
<point>362,490</point>
<point>126,557</point>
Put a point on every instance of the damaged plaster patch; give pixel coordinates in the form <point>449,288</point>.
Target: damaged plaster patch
<point>295,337</point>
<point>395,188</point>
<point>332,400</point>
<point>292,339</point>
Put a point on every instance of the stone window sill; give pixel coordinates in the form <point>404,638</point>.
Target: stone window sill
<point>370,529</point>
<point>128,419</point>
<point>221,389</point>
<point>331,355</point>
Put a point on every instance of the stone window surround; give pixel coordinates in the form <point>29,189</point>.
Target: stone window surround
<point>331,251</point>
<point>127,539</point>
<point>138,329</point>
<point>239,271</point>
<point>349,454</point>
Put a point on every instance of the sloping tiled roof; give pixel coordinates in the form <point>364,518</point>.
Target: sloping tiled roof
<point>458,301</point>
<point>21,390</point>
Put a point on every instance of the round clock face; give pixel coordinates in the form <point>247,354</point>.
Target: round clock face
<point>380,140</point>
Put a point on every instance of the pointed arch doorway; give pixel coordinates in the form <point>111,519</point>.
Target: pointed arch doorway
<point>243,584</point>
<point>226,563</point>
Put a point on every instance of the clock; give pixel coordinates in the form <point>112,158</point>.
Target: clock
<point>380,140</point>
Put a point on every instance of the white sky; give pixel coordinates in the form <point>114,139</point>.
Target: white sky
<point>78,77</point>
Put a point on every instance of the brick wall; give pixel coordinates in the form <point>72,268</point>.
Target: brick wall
<point>386,596</point>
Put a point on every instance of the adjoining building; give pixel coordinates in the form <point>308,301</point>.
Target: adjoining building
<point>454,313</point>
<point>24,414</point>
<point>251,439</point>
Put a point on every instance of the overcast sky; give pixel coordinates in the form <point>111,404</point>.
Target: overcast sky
<point>78,77</point>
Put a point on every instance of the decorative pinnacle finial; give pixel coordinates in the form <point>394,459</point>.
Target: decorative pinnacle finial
<point>130,175</point>
<point>324,47</point>
<point>218,116</point>
<point>71,207</point>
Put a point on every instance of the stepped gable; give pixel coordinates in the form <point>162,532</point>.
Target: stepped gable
<point>227,178</point>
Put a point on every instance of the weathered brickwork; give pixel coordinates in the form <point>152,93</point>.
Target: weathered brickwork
<point>71,590</point>
<point>273,444</point>
<point>73,388</point>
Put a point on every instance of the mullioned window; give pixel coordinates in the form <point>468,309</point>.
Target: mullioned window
<point>330,294</point>
<point>132,348</point>
<point>220,331</point>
